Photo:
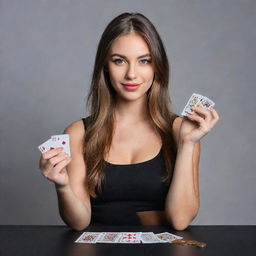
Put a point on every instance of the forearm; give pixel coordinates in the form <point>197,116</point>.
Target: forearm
<point>182,201</point>
<point>72,210</point>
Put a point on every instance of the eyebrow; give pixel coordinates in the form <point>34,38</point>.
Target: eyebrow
<point>120,55</point>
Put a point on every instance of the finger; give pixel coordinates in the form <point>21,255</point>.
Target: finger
<point>215,114</point>
<point>204,112</point>
<point>215,118</point>
<point>50,153</point>
<point>52,173</point>
<point>197,118</point>
<point>204,126</point>
<point>56,170</point>
<point>49,165</point>
<point>55,160</point>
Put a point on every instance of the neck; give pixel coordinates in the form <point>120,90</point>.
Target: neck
<point>130,112</point>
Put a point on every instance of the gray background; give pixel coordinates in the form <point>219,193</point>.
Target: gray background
<point>47,51</point>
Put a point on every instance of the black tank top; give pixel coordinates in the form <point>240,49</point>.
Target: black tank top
<point>129,188</point>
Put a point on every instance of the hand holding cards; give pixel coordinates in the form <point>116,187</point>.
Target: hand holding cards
<point>197,100</point>
<point>56,141</point>
<point>55,157</point>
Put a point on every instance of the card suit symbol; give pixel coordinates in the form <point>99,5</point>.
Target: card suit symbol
<point>63,142</point>
<point>51,148</point>
<point>43,148</point>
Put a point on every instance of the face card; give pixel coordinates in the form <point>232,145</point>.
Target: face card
<point>149,237</point>
<point>167,237</point>
<point>47,145</point>
<point>109,237</point>
<point>88,237</point>
<point>130,237</point>
<point>197,100</point>
<point>207,103</point>
<point>193,100</point>
<point>200,101</point>
<point>61,140</point>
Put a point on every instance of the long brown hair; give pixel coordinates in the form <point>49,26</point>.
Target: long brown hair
<point>101,99</point>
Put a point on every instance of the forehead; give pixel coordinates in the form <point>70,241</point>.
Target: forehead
<point>131,44</point>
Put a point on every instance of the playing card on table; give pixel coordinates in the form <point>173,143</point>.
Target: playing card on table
<point>109,237</point>
<point>167,237</point>
<point>197,100</point>
<point>149,237</point>
<point>61,140</point>
<point>89,237</point>
<point>130,237</point>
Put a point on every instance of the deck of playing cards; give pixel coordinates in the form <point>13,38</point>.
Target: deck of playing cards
<point>126,237</point>
<point>197,100</point>
<point>56,141</point>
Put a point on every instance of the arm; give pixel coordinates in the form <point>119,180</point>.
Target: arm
<point>183,199</point>
<point>73,199</point>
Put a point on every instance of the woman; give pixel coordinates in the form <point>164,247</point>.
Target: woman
<point>133,161</point>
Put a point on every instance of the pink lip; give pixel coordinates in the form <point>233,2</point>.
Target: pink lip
<point>130,84</point>
<point>131,87</point>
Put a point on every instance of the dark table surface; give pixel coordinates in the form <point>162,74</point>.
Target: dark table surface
<point>59,240</point>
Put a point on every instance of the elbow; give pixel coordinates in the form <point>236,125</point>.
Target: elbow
<point>180,222</point>
<point>79,227</point>
<point>77,224</point>
<point>180,226</point>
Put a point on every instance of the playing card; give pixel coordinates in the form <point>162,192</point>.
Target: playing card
<point>47,145</point>
<point>197,100</point>
<point>126,237</point>
<point>149,237</point>
<point>61,140</point>
<point>191,102</point>
<point>109,237</point>
<point>167,237</point>
<point>130,237</point>
<point>207,103</point>
<point>88,237</point>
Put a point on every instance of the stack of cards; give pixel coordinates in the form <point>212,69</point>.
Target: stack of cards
<point>56,141</point>
<point>126,237</point>
<point>197,100</point>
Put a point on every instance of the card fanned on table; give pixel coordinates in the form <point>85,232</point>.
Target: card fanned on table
<point>126,237</point>
<point>197,100</point>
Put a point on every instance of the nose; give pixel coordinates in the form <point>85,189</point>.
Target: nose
<point>131,72</point>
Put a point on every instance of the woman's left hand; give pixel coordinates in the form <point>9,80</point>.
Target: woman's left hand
<point>197,125</point>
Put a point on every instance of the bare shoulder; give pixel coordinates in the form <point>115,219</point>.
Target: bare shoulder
<point>75,128</point>
<point>76,132</point>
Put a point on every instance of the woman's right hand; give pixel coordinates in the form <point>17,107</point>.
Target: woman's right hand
<point>53,166</point>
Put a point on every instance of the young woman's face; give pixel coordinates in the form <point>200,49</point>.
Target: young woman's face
<point>129,62</point>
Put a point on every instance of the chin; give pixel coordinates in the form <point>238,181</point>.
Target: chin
<point>132,97</point>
